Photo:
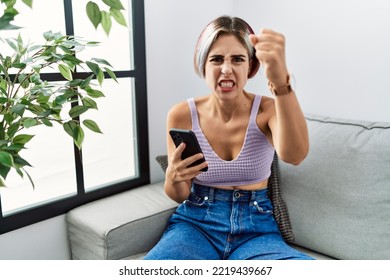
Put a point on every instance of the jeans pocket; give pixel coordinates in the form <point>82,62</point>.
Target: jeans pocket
<point>263,206</point>
<point>195,200</point>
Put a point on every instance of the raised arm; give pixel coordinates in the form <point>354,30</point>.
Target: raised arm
<point>286,120</point>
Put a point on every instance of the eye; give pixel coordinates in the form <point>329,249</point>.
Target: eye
<point>216,59</point>
<point>238,59</point>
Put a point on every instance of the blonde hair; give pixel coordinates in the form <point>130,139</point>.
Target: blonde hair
<point>224,25</point>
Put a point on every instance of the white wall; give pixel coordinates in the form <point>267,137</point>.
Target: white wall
<point>338,52</point>
<point>46,240</point>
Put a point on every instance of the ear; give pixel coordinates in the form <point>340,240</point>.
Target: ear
<point>250,66</point>
<point>254,66</point>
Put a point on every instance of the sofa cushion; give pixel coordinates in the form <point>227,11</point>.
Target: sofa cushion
<point>280,209</point>
<point>119,226</point>
<point>339,197</point>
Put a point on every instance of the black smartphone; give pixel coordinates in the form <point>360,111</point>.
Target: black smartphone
<point>192,144</point>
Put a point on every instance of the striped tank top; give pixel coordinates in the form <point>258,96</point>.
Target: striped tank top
<point>253,163</point>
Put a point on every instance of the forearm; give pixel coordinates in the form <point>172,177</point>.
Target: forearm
<point>179,174</point>
<point>291,139</point>
<point>177,191</point>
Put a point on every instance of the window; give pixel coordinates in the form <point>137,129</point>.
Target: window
<point>108,163</point>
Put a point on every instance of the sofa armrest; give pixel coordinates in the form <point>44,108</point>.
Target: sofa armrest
<point>119,226</point>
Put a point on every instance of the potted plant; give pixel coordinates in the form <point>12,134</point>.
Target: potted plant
<point>26,100</point>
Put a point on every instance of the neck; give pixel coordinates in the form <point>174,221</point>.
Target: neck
<point>229,109</point>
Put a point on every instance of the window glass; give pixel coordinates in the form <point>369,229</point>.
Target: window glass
<point>110,157</point>
<point>45,16</point>
<point>109,161</point>
<point>115,48</point>
<point>51,154</point>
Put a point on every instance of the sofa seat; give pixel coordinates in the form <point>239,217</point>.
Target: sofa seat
<point>119,226</point>
<point>125,226</point>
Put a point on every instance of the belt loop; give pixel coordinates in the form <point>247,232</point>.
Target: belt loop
<point>211,194</point>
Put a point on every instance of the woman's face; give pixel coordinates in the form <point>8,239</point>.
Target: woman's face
<point>227,67</point>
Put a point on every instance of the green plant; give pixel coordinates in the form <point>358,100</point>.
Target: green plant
<point>26,100</point>
<point>95,13</point>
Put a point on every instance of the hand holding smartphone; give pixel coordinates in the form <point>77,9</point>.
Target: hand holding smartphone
<point>192,144</point>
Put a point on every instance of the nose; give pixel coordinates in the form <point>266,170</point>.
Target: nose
<point>226,68</point>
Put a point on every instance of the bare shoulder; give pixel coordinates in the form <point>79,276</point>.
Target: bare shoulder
<point>265,114</point>
<point>179,116</point>
<point>267,104</point>
<point>267,108</point>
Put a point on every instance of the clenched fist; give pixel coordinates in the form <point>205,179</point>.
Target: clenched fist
<point>270,51</point>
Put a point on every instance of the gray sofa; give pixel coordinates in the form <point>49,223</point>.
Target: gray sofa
<point>338,201</point>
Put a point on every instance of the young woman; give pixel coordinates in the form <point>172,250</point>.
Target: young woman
<point>225,212</point>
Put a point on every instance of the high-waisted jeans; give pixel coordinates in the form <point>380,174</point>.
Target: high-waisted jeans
<point>220,224</point>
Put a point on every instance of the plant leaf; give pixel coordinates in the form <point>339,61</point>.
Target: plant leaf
<point>2,182</point>
<point>93,13</point>
<point>100,77</point>
<point>61,99</point>
<point>101,61</point>
<point>46,122</point>
<point>13,128</point>
<point>75,83</point>
<point>18,160</point>
<point>35,109</point>
<point>65,72</point>
<point>72,58</point>
<point>78,136</point>
<point>24,82</point>
<point>94,67</point>
<point>29,178</point>
<point>22,139</point>
<point>77,111</point>
<point>106,22</point>
<point>94,93</point>
<point>116,4</point>
<point>88,102</point>
<point>48,35</point>
<point>111,74</point>
<point>36,79</point>
<point>29,122</point>
<point>118,16</point>
<point>4,170</point>
<point>92,125</point>
<point>28,2</point>
<point>15,148</point>
<point>11,43</point>
<point>86,82</point>
<point>6,159</point>
<point>20,44</point>
<point>18,109</point>
<point>70,127</point>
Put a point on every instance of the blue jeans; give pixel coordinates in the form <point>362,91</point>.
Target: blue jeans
<point>220,224</point>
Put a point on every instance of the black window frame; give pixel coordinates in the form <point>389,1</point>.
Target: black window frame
<point>62,206</point>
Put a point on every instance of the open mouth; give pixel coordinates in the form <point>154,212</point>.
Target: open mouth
<point>226,84</point>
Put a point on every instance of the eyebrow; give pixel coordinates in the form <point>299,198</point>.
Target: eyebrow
<point>234,56</point>
<point>239,56</point>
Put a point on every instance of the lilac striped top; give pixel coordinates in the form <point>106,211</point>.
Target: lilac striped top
<point>252,165</point>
